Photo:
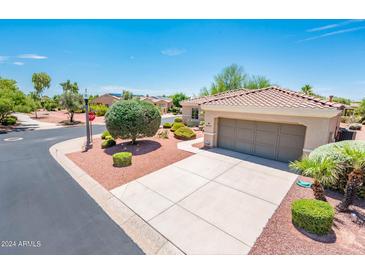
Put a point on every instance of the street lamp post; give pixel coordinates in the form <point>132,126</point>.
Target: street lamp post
<point>88,144</point>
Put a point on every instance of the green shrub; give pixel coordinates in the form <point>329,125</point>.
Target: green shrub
<point>122,159</point>
<point>313,216</point>
<point>108,143</point>
<point>178,120</point>
<point>23,109</point>
<point>184,133</point>
<point>176,126</point>
<point>105,134</point>
<point>108,137</point>
<point>100,110</point>
<point>329,150</point>
<point>9,121</point>
<point>132,119</point>
<point>355,126</point>
<point>167,125</point>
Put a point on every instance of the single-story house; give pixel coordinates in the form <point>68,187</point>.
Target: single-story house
<point>106,99</point>
<point>272,122</point>
<point>162,103</point>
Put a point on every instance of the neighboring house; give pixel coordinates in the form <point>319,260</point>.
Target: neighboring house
<point>272,122</point>
<point>106,99</point>
<point>162,103</point>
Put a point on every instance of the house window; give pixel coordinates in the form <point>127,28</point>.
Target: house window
<point>195,113</point>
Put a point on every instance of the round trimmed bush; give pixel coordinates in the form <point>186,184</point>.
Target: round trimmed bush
<point>122,159</point>
<point>105,134</point>
<point>313,216</point>
<point>184,133</point>
<point>176,126</point>
<point>178,120</point>
<point>108,143</point>
<point>167,125</point>
<point>331,151</point>
<point>132,119</point>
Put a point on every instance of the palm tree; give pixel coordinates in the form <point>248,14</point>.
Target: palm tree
<point>323,170</point>
<point>307,90</point>
<point>356,163</point>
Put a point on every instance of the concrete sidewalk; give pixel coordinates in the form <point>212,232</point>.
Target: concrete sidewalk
<point>27,123</point>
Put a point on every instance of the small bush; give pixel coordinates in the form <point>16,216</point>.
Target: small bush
<point>176,126</point>
<point>178,120</point>
<point>100,110</point>
<point>167,125</point>
<point>313,216</point>
<point>108,143</point>
<point>355,126</point>
<point>23,108</point>
<point>9,121</point>
<point>104,134</point>
<point>185,133</point>
<point>108,137</point>
<point>122,159</point>
<point>163,134</point>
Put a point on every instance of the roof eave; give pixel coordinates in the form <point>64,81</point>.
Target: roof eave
<point>301,112</point>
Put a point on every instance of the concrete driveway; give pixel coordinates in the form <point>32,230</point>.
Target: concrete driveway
<point>214,202</point>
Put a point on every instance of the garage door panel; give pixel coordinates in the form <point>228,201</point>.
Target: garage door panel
<point>291,140</point>
<point>266,151</point>
<point>283,142</point>
<point>263,137</point>
<point>244,147</point>
<point>292,129</point>
<point>287,154</point>
<point>227,122</point>
<point>245,134</point>
<point>271,127</point>
<point>227,131</point>
<point>245,124</point>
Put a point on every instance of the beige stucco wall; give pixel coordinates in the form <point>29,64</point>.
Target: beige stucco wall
<point>319,130</point>
<point>186,114</point>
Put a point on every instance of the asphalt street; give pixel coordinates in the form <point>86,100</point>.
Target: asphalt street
<point>43,210</point>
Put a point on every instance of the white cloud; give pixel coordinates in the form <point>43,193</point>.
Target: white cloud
<point>31,56</point>
<point>173,52</point>
<point>3,59</point>
<point>18,63</point>
<point>332,33</point>
<point>331,26</point>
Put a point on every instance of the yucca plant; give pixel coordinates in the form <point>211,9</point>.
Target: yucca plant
<point>356,162</point>
<point>322,170</point>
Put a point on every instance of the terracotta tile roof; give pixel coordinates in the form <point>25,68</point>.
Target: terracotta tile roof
<point>272,97</point>
<point>206,99</point>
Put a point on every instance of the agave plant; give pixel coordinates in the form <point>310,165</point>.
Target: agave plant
<point>322,170</point>
<point>356,163</point>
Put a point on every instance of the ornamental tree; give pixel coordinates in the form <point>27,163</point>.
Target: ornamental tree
<point>132,119</point>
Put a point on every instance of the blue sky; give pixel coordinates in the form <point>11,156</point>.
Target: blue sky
<point>164,56</point>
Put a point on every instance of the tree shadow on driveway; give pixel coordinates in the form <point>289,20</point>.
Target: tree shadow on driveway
<point>142,147</point>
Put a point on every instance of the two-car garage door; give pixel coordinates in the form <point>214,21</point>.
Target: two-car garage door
<point>282,142</point>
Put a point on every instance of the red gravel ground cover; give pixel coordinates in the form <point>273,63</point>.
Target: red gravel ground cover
<point>280,237</point>
<point>149,154</point>
<point>60,116</point>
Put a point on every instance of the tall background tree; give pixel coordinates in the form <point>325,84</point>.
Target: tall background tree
<point>234,77</point>
<point>41,81</point>
<point>307,90</point>
<point>127,95</point>
<point>70,99</point>
<point>177,98</point>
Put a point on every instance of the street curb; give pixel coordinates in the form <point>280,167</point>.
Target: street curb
<point>144,235</point>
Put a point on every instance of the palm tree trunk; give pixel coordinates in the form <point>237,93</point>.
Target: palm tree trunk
<point>318,191</point>
<point>71,117</point>
<point>355,179</point>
